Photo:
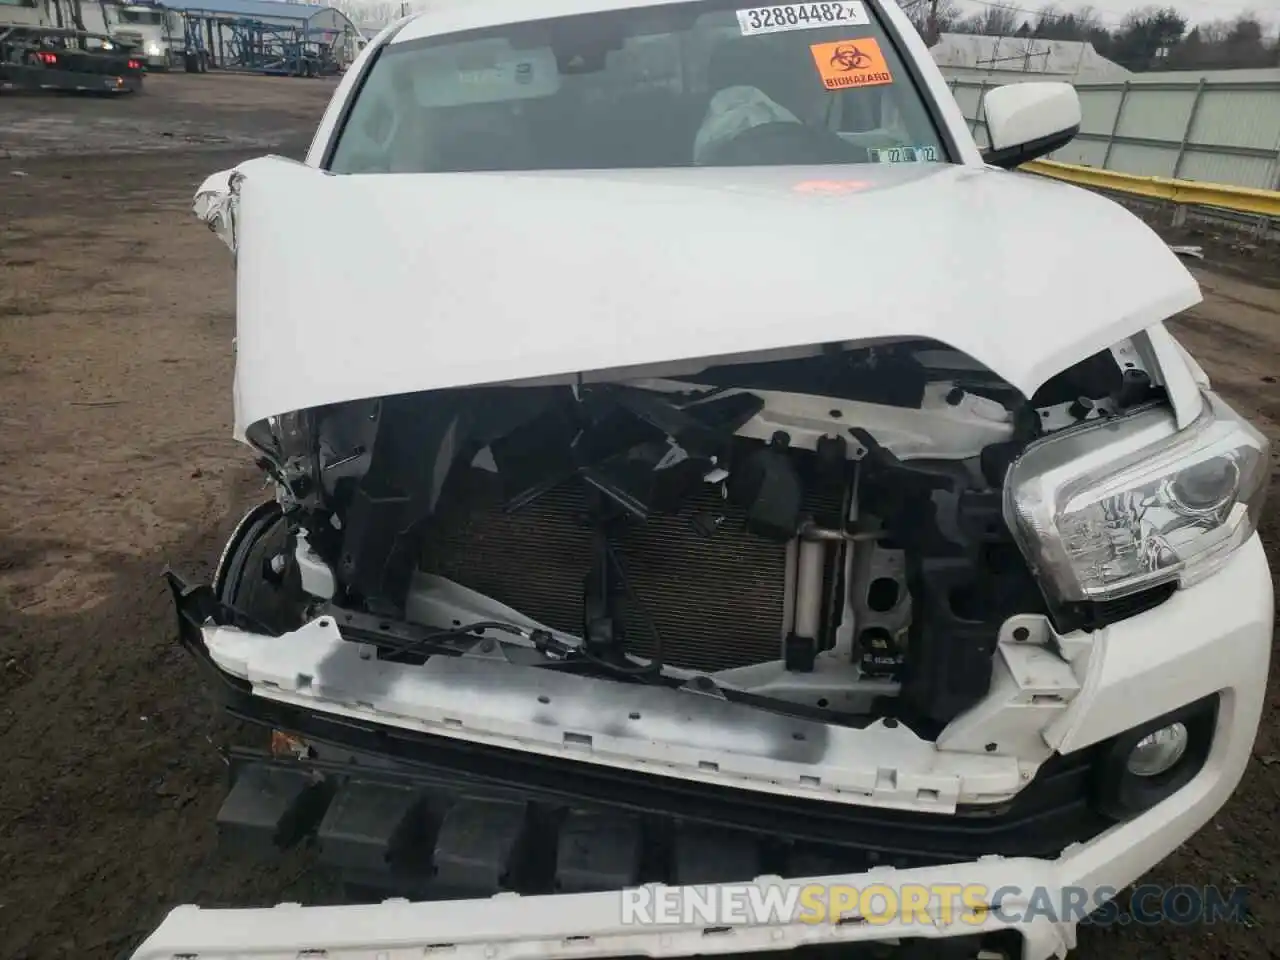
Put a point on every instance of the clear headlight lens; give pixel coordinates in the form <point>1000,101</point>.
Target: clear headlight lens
<point>1117,506</point>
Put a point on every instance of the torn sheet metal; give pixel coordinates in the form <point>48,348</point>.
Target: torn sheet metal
<point>215,204</point>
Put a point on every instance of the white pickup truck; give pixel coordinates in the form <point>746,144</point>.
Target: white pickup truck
<point>717,508</point>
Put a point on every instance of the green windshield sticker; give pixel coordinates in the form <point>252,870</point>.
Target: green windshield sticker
<point>925,154</point>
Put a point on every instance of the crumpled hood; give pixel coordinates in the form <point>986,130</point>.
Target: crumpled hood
<point>351,287</point>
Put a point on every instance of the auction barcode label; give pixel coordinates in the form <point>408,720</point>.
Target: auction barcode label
<point>802,16</point>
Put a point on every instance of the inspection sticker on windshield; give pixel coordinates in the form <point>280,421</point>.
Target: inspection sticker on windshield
<point>924,154</point>
<point>851,63</point>
<point>802,16</point>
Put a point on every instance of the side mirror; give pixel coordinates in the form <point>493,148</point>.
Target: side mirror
<point>1029,120</point>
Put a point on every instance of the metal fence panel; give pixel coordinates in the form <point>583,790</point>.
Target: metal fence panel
<point>1086,153</point>
<point>1098,113</point>
<point>1157,115</point>
<point>1219,130</point>
<point>1240,171</point>
<point>1239,118</point>
<point>968,98</point>
<point>1144,160</point>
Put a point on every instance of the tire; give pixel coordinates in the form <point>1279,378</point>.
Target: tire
<point>242,579</point>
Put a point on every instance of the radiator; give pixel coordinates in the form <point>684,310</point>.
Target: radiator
<point>716,600</point>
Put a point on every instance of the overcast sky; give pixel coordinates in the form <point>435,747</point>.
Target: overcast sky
<point>1111,11</point>
<point>1196,11</point>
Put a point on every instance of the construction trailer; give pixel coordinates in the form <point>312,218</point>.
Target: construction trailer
<point>266,36</point>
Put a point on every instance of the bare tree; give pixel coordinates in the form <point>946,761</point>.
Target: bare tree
<point>1089,19</point>
<point>1211,32</point>
<point>932,17</point>
<point>993,21</point>
<point>364,11</point>
<point>917,12</point>
<point>1082,24</point>
<point>1147,37</point>
<point>949,14</point>
<point>1246,44</point>
<point>1046,17</point>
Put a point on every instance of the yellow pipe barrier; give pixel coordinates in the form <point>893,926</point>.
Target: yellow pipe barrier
<point>1240,199</point>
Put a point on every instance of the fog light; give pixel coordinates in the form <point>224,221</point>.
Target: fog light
<point>1154,760</point>
<point>1158,751</point>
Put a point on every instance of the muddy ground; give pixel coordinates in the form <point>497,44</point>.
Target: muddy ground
<point>115,460</point>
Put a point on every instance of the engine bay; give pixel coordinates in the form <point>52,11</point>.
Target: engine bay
<point>821,535</point>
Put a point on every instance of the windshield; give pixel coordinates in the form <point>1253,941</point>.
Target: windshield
<point>142,16</point>
<point>672,85</point>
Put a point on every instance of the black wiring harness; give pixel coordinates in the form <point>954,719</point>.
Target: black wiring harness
<point>436,643</point>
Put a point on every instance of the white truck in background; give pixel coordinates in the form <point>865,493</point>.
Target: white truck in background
<point>151,29</point>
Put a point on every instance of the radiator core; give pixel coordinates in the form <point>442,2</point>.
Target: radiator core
<point>715,599</point>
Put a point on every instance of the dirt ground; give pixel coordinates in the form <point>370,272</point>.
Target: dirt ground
<point>115,459</point>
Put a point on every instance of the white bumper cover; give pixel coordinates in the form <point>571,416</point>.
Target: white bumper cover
<point>1212,638</point>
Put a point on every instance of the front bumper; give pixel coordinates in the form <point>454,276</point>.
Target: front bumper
<point>1209,641</point>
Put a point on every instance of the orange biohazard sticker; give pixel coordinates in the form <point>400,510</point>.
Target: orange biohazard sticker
<point>851,63</point>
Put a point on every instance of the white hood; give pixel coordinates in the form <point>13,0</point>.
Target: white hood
<point>358,286</point>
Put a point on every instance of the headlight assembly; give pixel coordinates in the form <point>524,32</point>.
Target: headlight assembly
<point>1116,506</point>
